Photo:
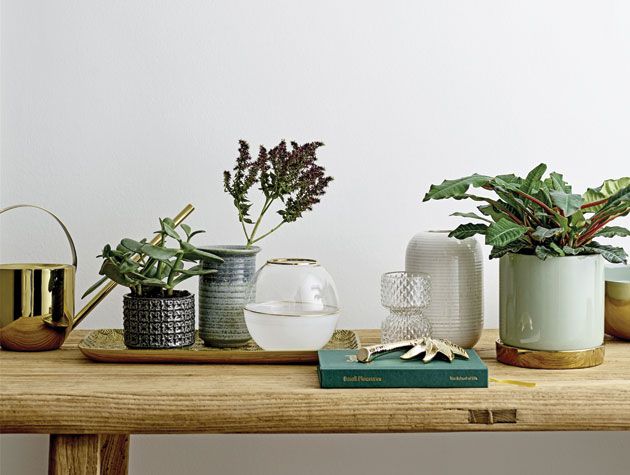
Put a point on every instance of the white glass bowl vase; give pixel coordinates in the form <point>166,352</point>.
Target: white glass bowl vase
<point>456,270</point>
<point>293,305</point>
<point>406,295</point>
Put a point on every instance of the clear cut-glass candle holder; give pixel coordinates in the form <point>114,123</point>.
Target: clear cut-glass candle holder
<point>406,295</point>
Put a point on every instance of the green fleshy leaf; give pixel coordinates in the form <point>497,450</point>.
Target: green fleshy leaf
<point>471,216</point>
<point>467,230</point>
<point>569,204</point>
<point>453,188</point>
<point>169,230</point>
<point>131,245</point>
<point>612,231</point>
<point>503,232</point>
<point>159,253</point>
<point>191,251</point>
<point>187,229</point>
<point>94,286</point>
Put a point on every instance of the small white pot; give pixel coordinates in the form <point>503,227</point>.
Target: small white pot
<point>555,304</point>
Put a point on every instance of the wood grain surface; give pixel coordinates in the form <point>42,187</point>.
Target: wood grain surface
<point>74,455</point>
<point>64,392</point>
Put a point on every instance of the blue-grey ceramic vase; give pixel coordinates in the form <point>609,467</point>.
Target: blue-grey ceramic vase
<point>223,295</point>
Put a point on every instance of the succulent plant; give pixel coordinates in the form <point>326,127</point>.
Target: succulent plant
<point>540,216</point>
<point>291,176</point>
<point>150,270</point>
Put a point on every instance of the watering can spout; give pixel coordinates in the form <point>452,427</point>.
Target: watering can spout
<point>42,314</point>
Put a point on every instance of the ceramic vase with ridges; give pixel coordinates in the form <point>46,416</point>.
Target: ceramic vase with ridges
<point>456,270</point>
<point>555,304</point>
<point>223,295</point>
<point>159,322</point>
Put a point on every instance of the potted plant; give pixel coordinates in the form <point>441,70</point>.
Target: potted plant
<point>551,268</point>
<point>155,314</point>
<point>291,183</point>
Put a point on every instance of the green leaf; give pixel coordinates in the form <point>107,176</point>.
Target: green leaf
<point>159,253</point>
<point>513,248</point>
<point>556,248</point>
<point>616,255</point>
<point>187,229</point>
<point>453,188</point>
<point>619,199</point>
<point>503,232</point>
<point>131,245</point>
<point>471,216</point>
<point>150,282</point>
<point>168,229</point>
<point>573,251</point>
<point>112,272</point>
<point>94,286</point>
<point>568,203</point>
<point>467,230</point>
<point>556,182</point>
<point>197,270</point>
<point>191,250</point>
<point>612,231</point>
<point>544,233</point>
<point>533,182</point>
<point>605,190</point>
<point>543,252</point>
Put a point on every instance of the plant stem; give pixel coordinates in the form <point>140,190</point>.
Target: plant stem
<point>268,232</point>
<point>594,203</point>
<point>250,239</point>
<point>171,274</point>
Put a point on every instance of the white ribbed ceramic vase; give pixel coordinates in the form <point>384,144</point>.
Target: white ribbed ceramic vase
<point>456,270</point>
<point>556,304</point>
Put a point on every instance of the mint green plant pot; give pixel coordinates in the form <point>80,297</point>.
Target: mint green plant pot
<point>555,304</point>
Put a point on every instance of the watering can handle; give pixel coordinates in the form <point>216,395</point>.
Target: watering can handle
<point>63,226</point>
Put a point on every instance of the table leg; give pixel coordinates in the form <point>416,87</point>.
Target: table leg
<point>114,454</point>
<point>88,454</point>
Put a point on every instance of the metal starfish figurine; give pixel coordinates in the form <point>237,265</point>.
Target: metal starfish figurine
<point>429,346</point>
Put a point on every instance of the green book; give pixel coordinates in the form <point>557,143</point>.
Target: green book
<point>340,369</point>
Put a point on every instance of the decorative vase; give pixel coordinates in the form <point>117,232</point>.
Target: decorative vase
<point>456,270</point>
<point>223,295</point>
<point>406,296</point>
<point>617,309</point>
<point>551,305</point>
<point>159,322</point>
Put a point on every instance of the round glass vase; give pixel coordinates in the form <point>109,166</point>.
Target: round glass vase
<point>293,305</point>
<point>405,295</point>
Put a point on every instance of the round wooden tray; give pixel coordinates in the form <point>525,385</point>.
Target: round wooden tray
<point>539,359</point>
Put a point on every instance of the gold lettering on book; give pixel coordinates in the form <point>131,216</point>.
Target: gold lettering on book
<point>463,378</point>
<point>361,379</point>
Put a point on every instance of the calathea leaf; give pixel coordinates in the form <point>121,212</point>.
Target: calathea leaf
<point>471,216</point>
<point>616,255</point>
<point>612,231</point>
<point>573,251</point>
<point>605,190</point>
<point>619,199</point>
<point>489,210</point>
<point>513,248</point>
<point>532,182</point>
<point>467,230</point>
<point>568,203</point>
<point>556,248</point>
<point>543,252</point>
<point>503,232</point>
<point>544,233</point>
<point>556,182</point>
<point>453,188</point>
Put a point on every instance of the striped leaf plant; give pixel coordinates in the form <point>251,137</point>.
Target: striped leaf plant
<point>540,215</point>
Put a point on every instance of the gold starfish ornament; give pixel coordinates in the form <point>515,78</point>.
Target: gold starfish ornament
<point>430,347</point>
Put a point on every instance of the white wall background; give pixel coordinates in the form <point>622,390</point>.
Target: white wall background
<point>114,113</point>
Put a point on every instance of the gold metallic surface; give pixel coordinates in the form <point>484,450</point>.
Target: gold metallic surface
<point>538,359</point>
<point>429,346</point>
<point>617,309</point>
<point>293,261</point>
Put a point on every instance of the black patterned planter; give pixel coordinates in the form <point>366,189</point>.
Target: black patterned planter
<point>159,322</point>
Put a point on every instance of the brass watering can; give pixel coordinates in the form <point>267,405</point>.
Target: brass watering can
<point>37,300</point>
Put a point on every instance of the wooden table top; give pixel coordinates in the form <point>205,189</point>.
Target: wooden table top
<point>63,392</point>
